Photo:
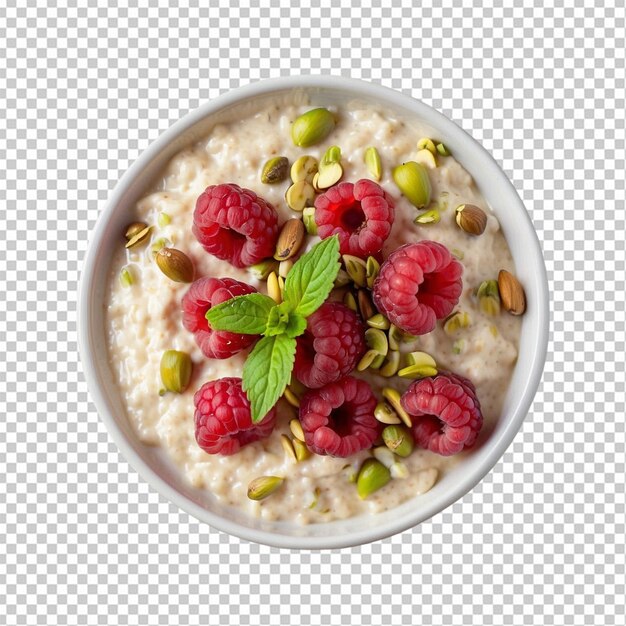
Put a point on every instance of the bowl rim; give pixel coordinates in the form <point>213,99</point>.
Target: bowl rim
<point>89,357</point>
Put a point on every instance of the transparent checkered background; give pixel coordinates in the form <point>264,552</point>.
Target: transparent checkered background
<point>83,90</point>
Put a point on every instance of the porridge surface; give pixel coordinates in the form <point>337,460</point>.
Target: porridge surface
<point>144,319</point>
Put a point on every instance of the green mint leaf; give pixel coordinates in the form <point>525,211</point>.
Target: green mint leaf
<point>266,372</point>
<point>242,314</point>
<point>277,320</point>
<point>311,278</point>
<point>295,326</point>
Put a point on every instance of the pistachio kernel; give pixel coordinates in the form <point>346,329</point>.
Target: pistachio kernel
<point>385,414</point>
<point>413,181</point>
<point>126,276</point>
<point>384,455</point>
<point>372,476</point>
<point>273,288</point>
<point>275,170</point>
<point>414,372</point>
<point>312,127</point>
<point>372,160</point>
<point>289,240</point>
<point>284,267</point>
<point>350,301</point>
<point>302,452</point>
<point>285,442</point>
<point>176,265</point>
<point>328,176</point>
<point>262,270</point>
<point>366,306</point>
<point>175,369</point>
<point>332,155</point>
<point>376,339</point>
<point>366,360</point>
<point>300,195</point>
<point>308,217</point>
<point>488,295</point>
<point>378,321</point>
<point>443,150</point>
<point>393,398</point>
<point>356,269</point>
<point>291,397</point>
<point>471,219</point>
<point>426,143</point>
<point>398,439</point>
<point>315,181</point>
<point>264,486</point>
<point>372,268</point>
<point>420,358</point>
<point>163,220</point>
<point>342,279</point>
<point>158,244</point>
<point>426,158</point>
<point>429,217</point>
<point>391,364</point>
<point>296,429</point>
<point>138,238</point>
<point>456,321</point>
<point>378,362</point>
<point>134,228</point>
<point>304,168</point>
<point>395,337</point>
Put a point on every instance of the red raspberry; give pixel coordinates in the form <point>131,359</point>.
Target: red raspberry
<point>445,413</point>
<point>361,214</point>
<point>330,347</point>
<point>222,417</point>
<point>338,419</point>
<point>203,294</point>
<point>418,284</point>
<point>235,224</point>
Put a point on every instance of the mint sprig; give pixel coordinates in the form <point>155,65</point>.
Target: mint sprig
<point>267,369</point>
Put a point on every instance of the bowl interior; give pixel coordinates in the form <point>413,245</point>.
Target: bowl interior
<point>153,465</point>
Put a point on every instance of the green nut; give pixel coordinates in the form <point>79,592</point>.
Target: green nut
<point>304,168</point>
<point>163,220</point>
<point>332,155</point>
<point>137,237</point>
<point>371,158</point>
<point>426,144</point>
<point>443,151</point>
<point>356,269</point>
<point>308,217</point>
<point>384,455</point>
<point>376,339</point>
<point>302,452</point>
<point>393,398</point>
<point>262,270</point>
<point>312,127</point>
<point>300,195</point>
<point>378,361</point>
<point>458,347</point>
<point>296,429</point>
<point>456,321</point>
<point>291,397</point>
<point>157,245</point>
<point>275,170</point>
<point>176,368</point>
<point>350,301</point>
<point>176,265</point>
<point>488,296</point>
<point>419,365</point>
<point>395,337</point>
<point>413,181</point>
<point>426,158</point>
<point>366,307</point>
<point>398,439</point>
<point>366,360</point>
<point>264,486</point>
<point>378,321</point>
<point>430,217</point>
<point>391,364</point>
<point>126,276</point>
<point>328,176</point>
<point>385,414</point>
<point>399,470</point>
<point>285,442</point>
<point>342,279</point>
<point>373,476</point>
<point>372,267</point>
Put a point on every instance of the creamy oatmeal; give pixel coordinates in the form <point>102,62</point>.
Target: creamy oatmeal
<point>144,318</point>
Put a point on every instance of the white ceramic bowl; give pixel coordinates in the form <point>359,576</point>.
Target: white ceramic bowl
<point>151,462</point>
